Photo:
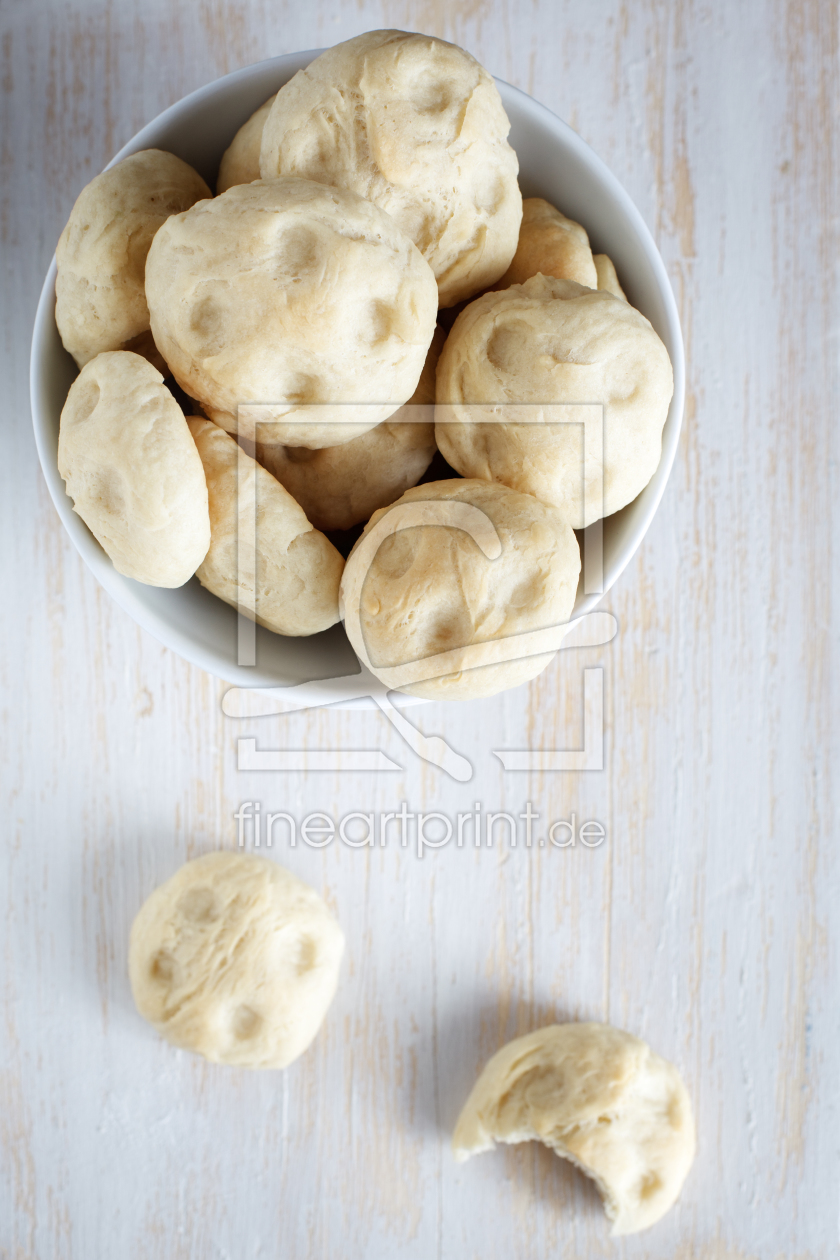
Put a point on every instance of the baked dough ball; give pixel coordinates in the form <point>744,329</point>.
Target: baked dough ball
<point>607,277</point>
<point>340,486</point>
<point>546,342</point>
<point>241,159</point>
<point>291,294</point>
<point>132,470</point>
<point>297,569</point>
<point>236,959</point>
<point>552,245</point>
<point>598,1097</point>
<point>100,302</point>
<point>451,577</point>
<point>417,126</point>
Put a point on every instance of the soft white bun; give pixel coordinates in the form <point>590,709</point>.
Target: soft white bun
<point>132,470</point>
<point>340,486</point>
<point>416,125</point>
<point>607,276</point>
<point>241,159</point>
<point>543,343</point>
<point>598,1097</point>
<point>291,294</point>
<point>471,563</point>
<point>550,244</point>
<point>100,301</point>
<point>235,959</point>
<point>290,584</point>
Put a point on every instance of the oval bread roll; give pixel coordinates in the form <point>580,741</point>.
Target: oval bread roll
<point>596,1096</point>
<point>241,159</point>
<point>340,486</point>
<point>417,126</point>
<point>550,245</point>
<point>100,300</point>
<point>288,581</point>
<point>526,372</point>
<point>132,470</point>
<point>235,959</point>
<point>473,563</point>
<point>291,294</point>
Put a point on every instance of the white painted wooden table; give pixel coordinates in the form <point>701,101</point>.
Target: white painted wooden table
<point>705,922</point>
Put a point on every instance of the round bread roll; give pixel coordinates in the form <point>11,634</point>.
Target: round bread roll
<point>460,564</point>
<point>598,1097</point>
<point>290,575</point>
<point>512,356</point>
<point>241,159</point>
<point>340,486</point>
<point>552,245</point>
<point>607,277</point>
<point>291,294</point>
<point>100,301</point>
<point>417,126</point>
<point>132,470</point>
<point>235,959</point>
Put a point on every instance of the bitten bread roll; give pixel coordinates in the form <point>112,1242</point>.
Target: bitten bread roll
<point>515,386</point>
<point>100,301</point>
<point>607,277</point>
<point>598,1097</point>
<point>241,159</point>
<point>290,583</point>
<point>551,245</point>
<point>292,295</point>
<point>132,470</point>
<point>340,486</point>
<point>460,564</point>
<point>235,959</point>
<point>417,126</point>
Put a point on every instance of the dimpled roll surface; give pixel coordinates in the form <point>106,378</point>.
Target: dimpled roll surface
<point>340,486</point>
<point>132,470</point>
<point>293,295</point>
<point>556,390</point>
<point>430,589</point>
<point>265,558</point>
<point>416,125</point>
<point>596,1096</point>
<point>236,959</point>
<point>100,300</point>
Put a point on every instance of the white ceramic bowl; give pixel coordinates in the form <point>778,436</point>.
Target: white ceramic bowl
<point>555,164</point>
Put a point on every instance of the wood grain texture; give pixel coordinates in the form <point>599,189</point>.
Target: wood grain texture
<point>705,923</point>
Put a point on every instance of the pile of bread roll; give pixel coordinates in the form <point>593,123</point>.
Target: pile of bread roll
<point>374,191</point>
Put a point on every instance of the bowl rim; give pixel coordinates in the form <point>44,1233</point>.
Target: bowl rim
<point>211,659</point>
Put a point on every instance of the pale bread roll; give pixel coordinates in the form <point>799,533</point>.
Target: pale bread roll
<point>550,245</point>
<point>607,276</point>
<point>596,1096</point>
<point>291,294</point>
<point>290,584</point>
<point>533,352</point>
<point>340,486</point>
<point>241,159</point>
<point>132,470</point>
<point>417,126</point>
<point>100,300</point>
<point>431,589</point>
<point>236,959</point>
